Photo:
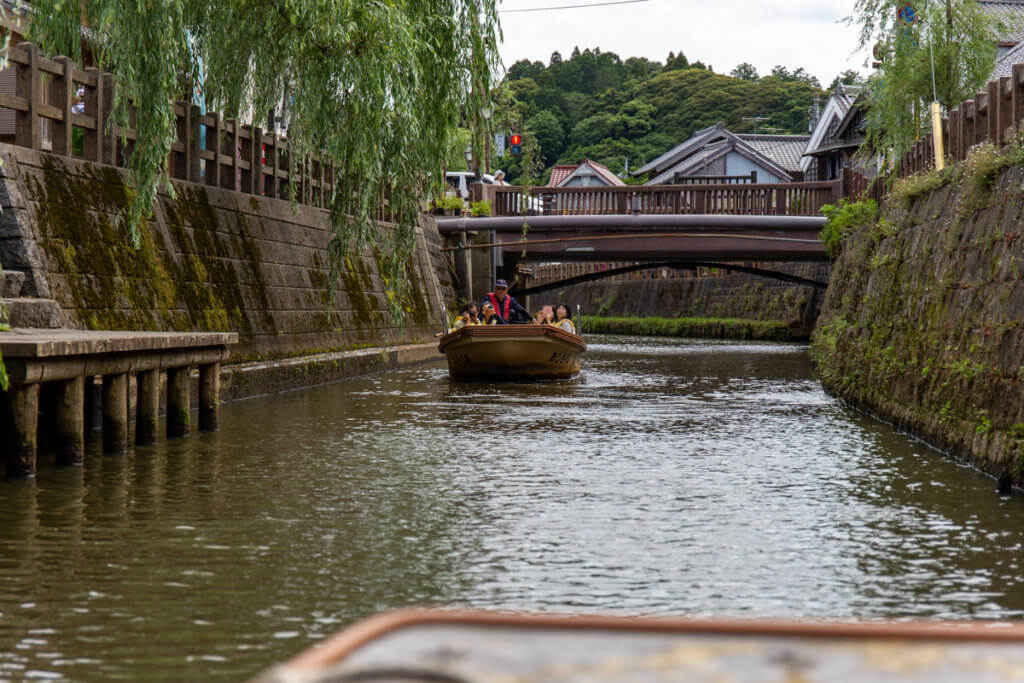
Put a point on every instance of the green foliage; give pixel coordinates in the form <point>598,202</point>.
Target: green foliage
<point>550,136</point>
<point>958,35</point>
<point>480,208</point>
<point>452,203</point>
<point>841,220</point>
<point>718,328</point>
<point>376,88</point>
<point>638,109</point>
<point>906,190</point>
<point>746,72</point>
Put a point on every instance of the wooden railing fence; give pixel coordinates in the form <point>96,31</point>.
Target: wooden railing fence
<point>54,96</point>
<point>993,115</point>
<point>777,199</point>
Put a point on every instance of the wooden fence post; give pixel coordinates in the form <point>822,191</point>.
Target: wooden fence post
<point>108,140</point>
<point>275,165</point>
<point>179,169</point>
<point>1017,95</point>
<point>980,117</point>
<point>213,143</point>
<point>954,133</point>
<point>27,127</point>
<point>61,94</point>
<point>256,161</point>
<point>992,113</point>
<point>92,148</point>
<point>195,138</point>
<point>968,126</point>
<point>229,177</point>
<point>1004,113</point>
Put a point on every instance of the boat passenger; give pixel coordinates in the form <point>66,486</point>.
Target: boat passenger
<point>466,317</point>
<point>563,319</point>
<point>505,307</point>
<point>546,316</point>
<point>487,315</point>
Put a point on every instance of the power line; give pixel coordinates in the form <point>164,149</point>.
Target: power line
<point>592,4</point>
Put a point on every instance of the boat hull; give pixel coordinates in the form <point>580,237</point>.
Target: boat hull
<point>512,352</point>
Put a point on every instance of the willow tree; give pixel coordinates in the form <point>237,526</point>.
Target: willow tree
<point>942,49</point>
<point>377,87</point>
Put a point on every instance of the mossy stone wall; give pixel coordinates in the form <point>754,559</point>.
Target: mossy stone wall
<point>743,296</point>
<point>209,259</point>
<point>923,322</point>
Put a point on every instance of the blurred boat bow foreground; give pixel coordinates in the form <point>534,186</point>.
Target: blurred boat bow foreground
<point>477,647</point>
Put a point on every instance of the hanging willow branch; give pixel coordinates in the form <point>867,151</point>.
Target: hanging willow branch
<point>956,36</point>
<point>375,88</point>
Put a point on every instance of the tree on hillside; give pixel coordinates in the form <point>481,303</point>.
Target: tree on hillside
<point>377,88</point>
<point>675,62</point>
<point>957,34</point>
<point>848,77</point>
<point>798,75</point>
<point>745,71</point>
<point>546,127</point>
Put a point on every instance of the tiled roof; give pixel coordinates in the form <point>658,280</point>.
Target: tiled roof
<point>604,172</point>
<point>1004,67</point>
<point>683,150</point>
<point>560,172</point>
<point>784,150</point>
<point>714,147</point>
<point>1010,13</point>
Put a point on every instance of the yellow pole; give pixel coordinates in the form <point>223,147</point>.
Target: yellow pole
<point>940,154</point>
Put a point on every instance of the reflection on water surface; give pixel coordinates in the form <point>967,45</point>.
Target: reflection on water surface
<point>671,478</point>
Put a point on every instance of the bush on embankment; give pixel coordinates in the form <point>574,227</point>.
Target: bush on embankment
<point>923,320</point>
<point>715,328</point>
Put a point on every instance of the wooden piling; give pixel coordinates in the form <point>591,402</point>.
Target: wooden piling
<point>115,413</point>
<point>178,417</point>
<point>69,418</point>
<point>147,407</point>
<point>209,397</point>
<point>22,402</point>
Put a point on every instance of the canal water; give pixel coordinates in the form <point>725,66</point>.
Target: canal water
<point>672,478</point>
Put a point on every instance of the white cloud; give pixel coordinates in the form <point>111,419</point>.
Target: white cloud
<point>723,34</point>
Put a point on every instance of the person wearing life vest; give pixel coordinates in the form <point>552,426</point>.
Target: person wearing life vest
<point>505,306</point>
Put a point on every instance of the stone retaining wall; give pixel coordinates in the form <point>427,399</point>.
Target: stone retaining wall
<point>210,259</point>
<point>923,323</point>
<point>744,296</point>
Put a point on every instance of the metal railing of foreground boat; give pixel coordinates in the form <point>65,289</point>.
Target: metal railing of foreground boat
<point>772,199</point>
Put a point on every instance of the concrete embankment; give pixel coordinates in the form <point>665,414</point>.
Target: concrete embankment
<point>259,378</point>
<point>923,322</point>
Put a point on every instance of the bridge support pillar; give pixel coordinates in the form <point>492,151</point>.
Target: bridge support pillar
<point>463,269</point>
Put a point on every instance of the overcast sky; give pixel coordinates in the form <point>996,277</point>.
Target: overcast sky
<point>721,33</point>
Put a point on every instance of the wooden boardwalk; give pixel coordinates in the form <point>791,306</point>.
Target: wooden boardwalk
<point>52,374</point>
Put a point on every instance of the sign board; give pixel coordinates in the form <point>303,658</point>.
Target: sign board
<point>499,144</point>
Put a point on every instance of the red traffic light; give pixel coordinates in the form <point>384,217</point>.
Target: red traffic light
<point>516,139</point>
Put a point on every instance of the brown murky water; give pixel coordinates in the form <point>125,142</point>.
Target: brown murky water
<point>672,478</point>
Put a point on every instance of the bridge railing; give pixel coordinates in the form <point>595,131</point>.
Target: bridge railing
<point>774,199</point>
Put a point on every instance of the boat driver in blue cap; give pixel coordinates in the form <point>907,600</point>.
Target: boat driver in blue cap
<point>505,306</point>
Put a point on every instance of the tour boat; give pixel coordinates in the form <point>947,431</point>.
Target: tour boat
<point>512,352</point>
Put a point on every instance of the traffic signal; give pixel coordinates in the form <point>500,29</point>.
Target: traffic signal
<point>515,144</point>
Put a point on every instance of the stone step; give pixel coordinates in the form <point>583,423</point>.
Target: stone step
<point>36,313</point>
<point>11,282</point>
